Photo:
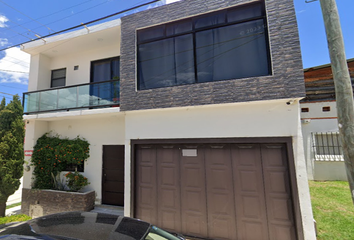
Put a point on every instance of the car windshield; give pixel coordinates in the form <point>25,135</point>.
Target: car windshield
<point>156,233</point>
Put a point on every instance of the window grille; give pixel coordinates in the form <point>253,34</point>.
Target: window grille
<point>326,146</point>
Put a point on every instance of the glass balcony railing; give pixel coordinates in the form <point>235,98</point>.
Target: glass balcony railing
<point>91,95</point>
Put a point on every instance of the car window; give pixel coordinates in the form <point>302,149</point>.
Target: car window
<point>156,233</point>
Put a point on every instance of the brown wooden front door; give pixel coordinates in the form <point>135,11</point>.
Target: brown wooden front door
<point>224,191</point>
<point>113,175</point>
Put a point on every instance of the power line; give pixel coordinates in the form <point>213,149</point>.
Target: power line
<point>7,93</point>
<point>5,70</point>
<point>87,23</point>
<point>25,15</point>
<point>2,85</point>
<point>58,11</point>
<point>59,19</point>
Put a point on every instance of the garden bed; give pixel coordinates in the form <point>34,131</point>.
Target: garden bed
<point>37,203</point>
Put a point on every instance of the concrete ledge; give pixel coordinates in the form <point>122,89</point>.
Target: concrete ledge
<point>37,202</point>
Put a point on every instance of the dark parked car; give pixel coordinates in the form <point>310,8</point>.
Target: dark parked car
<point>85,225</point>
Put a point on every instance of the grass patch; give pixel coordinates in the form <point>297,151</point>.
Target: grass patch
<point>333,210</point>
<point>14,218</point>
<point>13,205</point>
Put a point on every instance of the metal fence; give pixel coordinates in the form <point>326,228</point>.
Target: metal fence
<point>326,146</point>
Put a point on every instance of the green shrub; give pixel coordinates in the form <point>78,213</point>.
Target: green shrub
<point>51,155</point>
<point>76,181</point>
<point>14,218</point>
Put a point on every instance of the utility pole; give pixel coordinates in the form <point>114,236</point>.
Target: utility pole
<point>343,85</point>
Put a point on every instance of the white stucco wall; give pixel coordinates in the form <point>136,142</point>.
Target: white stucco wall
<point>255,119</point>
<point>98,130</point>
<point>78,50</point>
<point>83,60</point>
<point>318,121</point>
<point>39,70</point>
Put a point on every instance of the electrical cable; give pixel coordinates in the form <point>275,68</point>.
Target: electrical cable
<point>2,85</point>
<point>54,13</point>
<point>80,25</point>
<point>59,19</point>
<point>26,15</point>
<point>4,70</point>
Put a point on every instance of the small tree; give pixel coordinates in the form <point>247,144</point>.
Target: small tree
<point>12,135</point>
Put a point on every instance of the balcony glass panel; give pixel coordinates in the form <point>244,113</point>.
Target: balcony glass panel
<point>31,102</point>
<point>101,94</point>
<point>48,100</point>
<point>92,95</point>
<point>67,98</point>
<point>84,96</point>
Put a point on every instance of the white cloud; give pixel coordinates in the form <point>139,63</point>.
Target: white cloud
<point>3,42</point>
<point>16,61</point>
<point>3,20</point>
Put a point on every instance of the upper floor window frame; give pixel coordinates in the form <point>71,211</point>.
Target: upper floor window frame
<point>111,61</point>
<point>222,18</point>
<point>57,78</point>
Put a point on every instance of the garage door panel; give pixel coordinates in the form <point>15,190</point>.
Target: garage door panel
<point>249,193</point>
<point>146,194</point>
<point>278,192</point>
<point>252,207</point>
<point>252,230</point>
<point>193,192</point>
<point>281,209</point>
<point>277,181</point>
<point>221,227</point>
<point>168,189</point>
<point>247,184</point>
<point>167,220</point>
<point>169,175</point>
<point>220,193</point>
<point>194,224</point>
<point>235,191</point>
<point>283,232</point>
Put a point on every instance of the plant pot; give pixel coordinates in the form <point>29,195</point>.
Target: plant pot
<point>37,202</point>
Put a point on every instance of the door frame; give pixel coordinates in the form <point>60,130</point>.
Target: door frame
<point>260,140</point>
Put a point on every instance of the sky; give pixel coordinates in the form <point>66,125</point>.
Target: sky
<point>22,21</point>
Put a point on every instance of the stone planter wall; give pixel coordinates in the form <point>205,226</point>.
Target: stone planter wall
<point>37,203</point>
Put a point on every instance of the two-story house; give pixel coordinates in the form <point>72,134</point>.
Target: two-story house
<point>192,113</point>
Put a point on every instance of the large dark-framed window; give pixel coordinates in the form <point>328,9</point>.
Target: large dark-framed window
<point>222,45</point>
<point>101,71</point>
<point>105,69</point>
<point>58,78</point>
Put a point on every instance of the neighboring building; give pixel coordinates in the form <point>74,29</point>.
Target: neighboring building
<point>200,115</point>
<point>323,152</point>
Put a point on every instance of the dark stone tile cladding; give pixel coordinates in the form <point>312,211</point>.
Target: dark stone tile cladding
<point>287,80</point>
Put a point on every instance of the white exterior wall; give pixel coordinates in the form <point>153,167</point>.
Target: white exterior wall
<point>42,66</point>
<point>39,71</point>
<point>83,60</point>
<point>318,121</point>
<point>77,48</point>
<point>98,130</point>
<point>255,119</point>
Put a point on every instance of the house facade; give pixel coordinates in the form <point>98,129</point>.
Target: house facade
<point>323,152</point>
<point>192,112</point>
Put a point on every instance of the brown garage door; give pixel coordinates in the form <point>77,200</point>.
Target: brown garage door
<point>230,191</point>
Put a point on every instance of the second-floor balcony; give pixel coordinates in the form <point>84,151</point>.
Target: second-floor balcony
<point>90,95</point>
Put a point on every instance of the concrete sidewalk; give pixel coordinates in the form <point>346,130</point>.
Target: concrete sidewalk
<point>109,209</point>
<point>13,211</point>
<point>14,198</point>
